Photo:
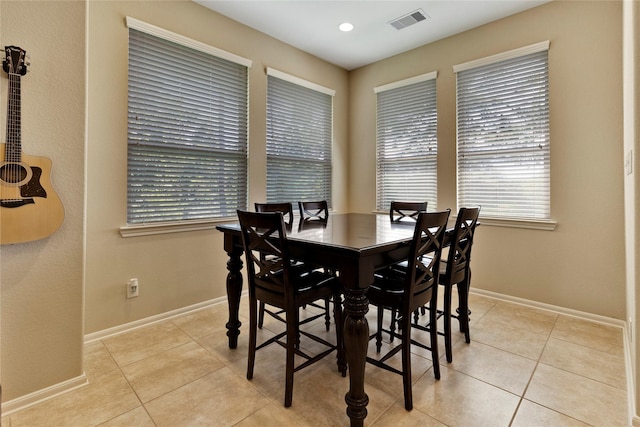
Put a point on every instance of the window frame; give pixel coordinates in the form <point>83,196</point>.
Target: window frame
<point>279,132</point>
<point>546,223</point>
<point>392,120</point>
<point>171,226</point>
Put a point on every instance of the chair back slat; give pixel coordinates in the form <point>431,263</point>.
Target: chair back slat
<point>285,208</point>
<point>399,211</point>
<point>314,210</point>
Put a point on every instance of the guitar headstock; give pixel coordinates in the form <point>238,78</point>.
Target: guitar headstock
<point>14,61</point>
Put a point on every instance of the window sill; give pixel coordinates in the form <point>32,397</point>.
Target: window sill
<point>138,230</point>
<point>533,224</point>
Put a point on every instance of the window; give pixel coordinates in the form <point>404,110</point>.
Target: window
<point>406,141</point>
<point>187,128</point>
<point>503,134</point>
<point>299,138</point>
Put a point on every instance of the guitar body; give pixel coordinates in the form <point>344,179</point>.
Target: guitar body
<point>29,208</point>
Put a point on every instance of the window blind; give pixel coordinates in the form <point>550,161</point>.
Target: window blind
<point>406,143</point>
<point>503,137</point>
<point>187,132</point>
<point>299,139</point>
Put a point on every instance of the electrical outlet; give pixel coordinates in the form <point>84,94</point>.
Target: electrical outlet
<point>132,288</point>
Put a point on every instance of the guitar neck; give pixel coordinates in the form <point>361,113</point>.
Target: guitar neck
<point>13,147</point>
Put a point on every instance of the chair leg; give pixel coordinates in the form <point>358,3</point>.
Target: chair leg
<point>337,318</point>
<point>379,330</point>
<point>406,361</point>
<point>392,325</point>
<point>433,335</point>
<point>463,309</point>
<point>261,315</point>
<point>327,315</point>
<point>252,336</point>
<point>292,336</point>
<point>447,322</point>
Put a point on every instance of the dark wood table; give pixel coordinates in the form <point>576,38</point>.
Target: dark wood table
<point>353,244</point>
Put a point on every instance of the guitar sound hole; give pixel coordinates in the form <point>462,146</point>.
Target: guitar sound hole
<point>13,173</point>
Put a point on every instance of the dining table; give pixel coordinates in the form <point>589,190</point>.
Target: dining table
<point>353,244</point>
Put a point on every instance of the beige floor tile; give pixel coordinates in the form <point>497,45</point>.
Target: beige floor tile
<point>581,398</point>
<point>520,316</point>
<point>144,342</point>
<point>494,366</point>
<point>137,417</point>
<point>391,382</point>
<point>591,363</point>
<point>397,416</point>
<point>514,339</point>
<point>272,415</point>
<point>204,322</point>
<point>589,334</point>
<point>107,397</point>
<point>319,397</point>
<point>220,398</point>
<point>460,400</point>
<point>533,415</point>
<point>97,360</point>
<point>166,371</point>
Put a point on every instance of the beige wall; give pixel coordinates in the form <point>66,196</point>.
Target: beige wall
<point>580,265</point>
<point>181,269</point>
<point>41,282</point>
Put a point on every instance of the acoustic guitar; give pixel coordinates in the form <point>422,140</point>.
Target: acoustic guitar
<point>29,207</point>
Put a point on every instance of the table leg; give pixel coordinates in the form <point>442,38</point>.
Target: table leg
<point>356,335</point>
<point>234,291</point>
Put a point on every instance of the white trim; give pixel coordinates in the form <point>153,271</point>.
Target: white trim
<point>150,229</point>
<point>547,225</point>
<point>515,53</point>
<point>185,41</point>
<point>39,396</point>
<point>120,329</point>
<point>406,82</point>
<point>553,308</point>
<point>300,82</point>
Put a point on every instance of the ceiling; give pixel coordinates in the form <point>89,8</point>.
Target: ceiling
<point>312,25</point>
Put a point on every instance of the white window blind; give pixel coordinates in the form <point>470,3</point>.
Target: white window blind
<point>187,131</point>
<point>299,139</point>
<point>406,142</point>
<point>503,134</point>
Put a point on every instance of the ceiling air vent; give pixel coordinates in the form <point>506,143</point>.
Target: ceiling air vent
<point>409,19</point>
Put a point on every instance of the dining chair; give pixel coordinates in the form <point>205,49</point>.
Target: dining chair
<point>315,214</point>
<point>287,213</point>
<point>456,270</point>
<point>407,290</point>
<point>285,208</point>
<point>273,280</point>
<point>399,211</point>
<point>314,210</point>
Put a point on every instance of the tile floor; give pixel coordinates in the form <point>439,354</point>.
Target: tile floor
<point>524,367</point>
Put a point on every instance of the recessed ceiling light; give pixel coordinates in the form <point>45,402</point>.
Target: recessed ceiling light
<point>346,26</point>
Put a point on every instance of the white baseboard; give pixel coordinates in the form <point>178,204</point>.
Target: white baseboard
<point>39,396</point>
<point>116,330</point>
<point>553,308</point>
